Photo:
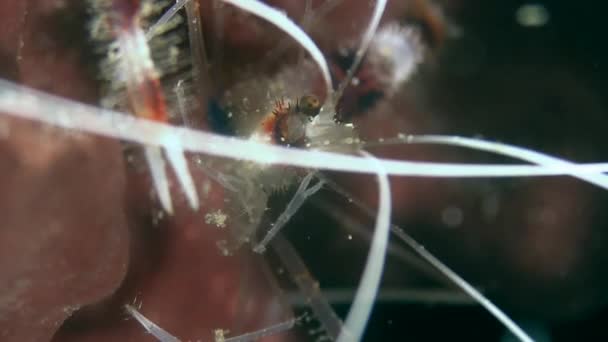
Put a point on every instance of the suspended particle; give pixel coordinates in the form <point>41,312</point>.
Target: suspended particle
<point>532,15</point>
<point>217,218</point>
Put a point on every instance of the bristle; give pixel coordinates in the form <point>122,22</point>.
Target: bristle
<point>394,54</point>
<point>301,195</point>
<point>167,49</point>
<point>136,70</point>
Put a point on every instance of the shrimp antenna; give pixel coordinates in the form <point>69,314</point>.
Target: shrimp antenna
<point>357,318</point>
<point>281,21</point>
<point>439,266</point>
<point>27,103</point>
<point>521,153</point>
<point>366,40</point>
<point>152,328</point>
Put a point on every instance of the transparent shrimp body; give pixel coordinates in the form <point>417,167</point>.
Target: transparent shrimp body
<point>274,110</point>
<point>249,103</point>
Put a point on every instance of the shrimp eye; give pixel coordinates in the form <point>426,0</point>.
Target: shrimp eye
<point>309,105</point>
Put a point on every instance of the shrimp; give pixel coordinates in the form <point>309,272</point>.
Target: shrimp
<point>129,65</point>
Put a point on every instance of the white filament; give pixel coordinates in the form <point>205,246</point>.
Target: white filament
<point>522,153</point>
<point>280,20</point>
<point>152,328</point>
<point>24,102</point>
<point>372,274</point>
<point>463,284</point>
<point>372,27</point>
<point>268,331</point>
<point>155,160</point>
<point>177,160</point>
<point>442,268</point>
